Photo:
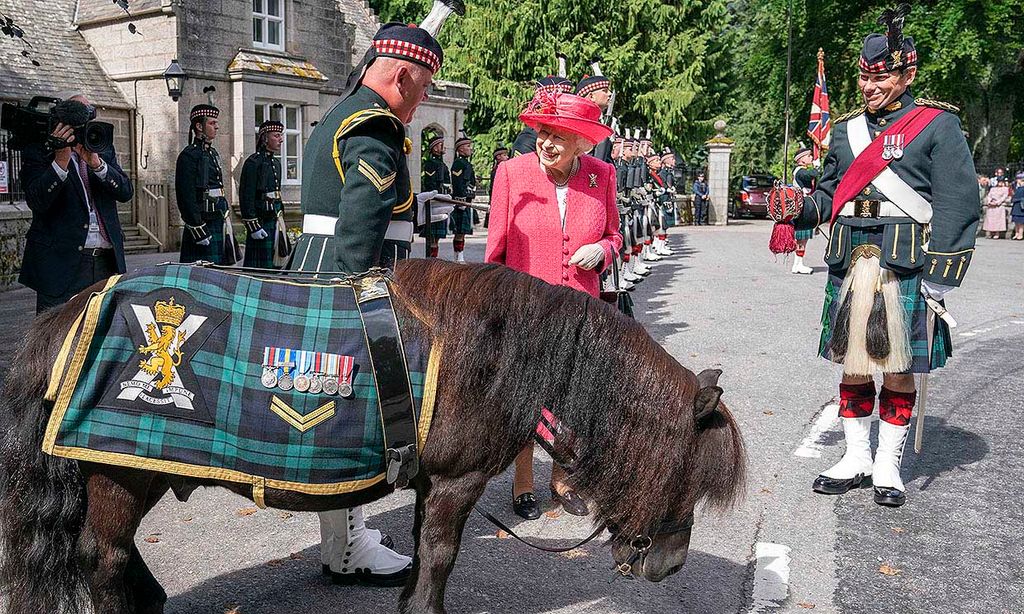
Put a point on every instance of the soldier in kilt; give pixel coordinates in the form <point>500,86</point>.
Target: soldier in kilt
<point>668,175</point>
<point>805,177</point>
<point>526,141</point>
<point>199,185</point>
<point>900,189</point>
<point>463,188</point>
<point>436,177</point>
<point>358,213</point>
<point>259,196</point>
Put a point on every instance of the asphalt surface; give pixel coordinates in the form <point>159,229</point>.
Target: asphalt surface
<point>723,301</point>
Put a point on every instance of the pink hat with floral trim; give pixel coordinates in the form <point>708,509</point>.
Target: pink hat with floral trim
<point>566,112</point>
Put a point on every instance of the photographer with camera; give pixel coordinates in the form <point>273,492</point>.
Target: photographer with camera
<point>72,185</point>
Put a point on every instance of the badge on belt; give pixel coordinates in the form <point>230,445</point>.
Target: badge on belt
<point>307,371</point>
<point>893,146</point>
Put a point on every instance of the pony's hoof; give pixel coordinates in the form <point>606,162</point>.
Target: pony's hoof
<point>571,503</point>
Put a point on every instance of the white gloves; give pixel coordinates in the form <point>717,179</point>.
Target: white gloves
<point>438,213</point>
<point>588,256</point>
<point>204,242</point>
<point>934,290</point>
<point>259,234</point>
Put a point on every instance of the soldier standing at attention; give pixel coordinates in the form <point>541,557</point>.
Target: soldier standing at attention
<point>526,141</point>
<point>358,208</point>
<point>900,191</point>
<point>259,196</point>
<point>463,188</point>
<point>805,177</point>
<point>500,155</point>
<point>598,89</point>
<point>199,184</point>
<point>437,178</point>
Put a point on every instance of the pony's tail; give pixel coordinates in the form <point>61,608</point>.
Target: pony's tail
<point>42,497</point>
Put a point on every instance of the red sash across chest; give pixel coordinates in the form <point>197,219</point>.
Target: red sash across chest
<point>870,162</point>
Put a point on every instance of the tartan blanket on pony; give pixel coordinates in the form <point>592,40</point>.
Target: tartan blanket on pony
<point>206,373</point>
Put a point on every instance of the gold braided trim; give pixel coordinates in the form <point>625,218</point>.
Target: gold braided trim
<point>937,104</point>
<point>850,115</point>
<point>402,208</point>
<point>352,122</point>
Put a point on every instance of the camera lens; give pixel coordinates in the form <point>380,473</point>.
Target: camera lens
<point>97,136</point>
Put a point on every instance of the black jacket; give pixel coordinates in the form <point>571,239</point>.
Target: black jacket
<point>60,218</point>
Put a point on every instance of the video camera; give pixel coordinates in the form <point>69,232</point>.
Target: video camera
<point>36,122</point>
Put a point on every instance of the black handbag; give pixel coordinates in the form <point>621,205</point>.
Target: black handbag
<point>618,297</point>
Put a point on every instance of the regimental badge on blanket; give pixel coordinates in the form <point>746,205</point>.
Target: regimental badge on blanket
<point>307,371</point>
<point>167,330</point>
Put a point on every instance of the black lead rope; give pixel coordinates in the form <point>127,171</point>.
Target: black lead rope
<point>489,516</point>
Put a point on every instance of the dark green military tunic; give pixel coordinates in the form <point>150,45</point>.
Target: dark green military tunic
<point>463,188</point>
<point>436,178</point>
<point>667,201</point>
<point>259,196</point>
<point>355,180</point>
<point>936,246</point>
<point>525,143</point>
<point>199,185</point>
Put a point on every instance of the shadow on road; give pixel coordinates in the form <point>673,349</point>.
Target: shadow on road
<point>946,448</point>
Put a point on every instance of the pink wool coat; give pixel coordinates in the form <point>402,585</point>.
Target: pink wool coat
<point>525,232</point>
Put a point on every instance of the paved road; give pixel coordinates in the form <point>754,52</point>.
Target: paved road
<point>723,301</point>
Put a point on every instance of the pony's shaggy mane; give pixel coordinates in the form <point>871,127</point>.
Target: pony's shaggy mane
<point>512,344</point>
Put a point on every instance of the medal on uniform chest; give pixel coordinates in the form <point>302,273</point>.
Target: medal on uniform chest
<point>269,377</point>
<point>899,141</point>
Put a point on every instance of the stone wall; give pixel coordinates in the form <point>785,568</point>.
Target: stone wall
<point>14,222</point>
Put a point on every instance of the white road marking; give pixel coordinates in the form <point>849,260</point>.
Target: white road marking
<point>811,446</point>
<point>771,577</point>
<point>981,331</point>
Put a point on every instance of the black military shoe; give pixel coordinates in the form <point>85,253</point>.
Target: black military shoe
<point>526,506</point>
<point>889,497</point>
<point>366,577</point>
<point>834,486</point>
<point>385,540</point>
<point>571,502</point>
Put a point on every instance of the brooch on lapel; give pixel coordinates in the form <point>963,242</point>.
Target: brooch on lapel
<point>593,180</point>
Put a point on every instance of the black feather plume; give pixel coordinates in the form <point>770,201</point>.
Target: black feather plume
<point>893,20</point>
<point>878,329</point>
<point>839,341</point>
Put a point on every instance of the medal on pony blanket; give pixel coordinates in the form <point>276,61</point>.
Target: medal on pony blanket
<point>269,377</point>
<point>316,382</point>
<point>285,361</point>
<point>305,360</point>
<point>331,375</point>
<point>345,379</point>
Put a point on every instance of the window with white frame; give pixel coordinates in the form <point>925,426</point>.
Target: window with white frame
<point>268,24</point>
<point>291,146</point>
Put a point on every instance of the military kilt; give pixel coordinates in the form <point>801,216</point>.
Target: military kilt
<point>214,252</point>
<point>462,221</point>
<point>668,215</point>
<point>259,253</point>
<point>914,306</point>
<point>437,230</point>
<point>805,235</point>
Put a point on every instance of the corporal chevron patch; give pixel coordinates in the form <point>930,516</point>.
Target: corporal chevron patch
<point>381,183</point>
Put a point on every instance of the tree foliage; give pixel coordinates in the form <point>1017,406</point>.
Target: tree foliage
<point>666,59</point>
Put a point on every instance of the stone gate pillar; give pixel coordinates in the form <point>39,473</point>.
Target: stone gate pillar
<point>719,153</point>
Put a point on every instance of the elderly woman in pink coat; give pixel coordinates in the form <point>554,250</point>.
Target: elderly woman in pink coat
<point>553,215</point>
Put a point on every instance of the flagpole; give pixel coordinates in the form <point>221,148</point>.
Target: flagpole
<point>789,73</point>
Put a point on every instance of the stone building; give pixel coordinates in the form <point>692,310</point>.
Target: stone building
<point>254,59</point>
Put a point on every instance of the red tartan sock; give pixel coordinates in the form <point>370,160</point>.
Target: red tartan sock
<point>663,236</point>
<point>896,407</point>
<point>625,257</point>
<point>459,244</point>
<point>647,242</point>
<point>801,252</point>
<point>856,400</point>
<point>433,251</point>
<point>637,249</point>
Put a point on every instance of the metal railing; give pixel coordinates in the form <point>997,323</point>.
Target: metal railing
<point>153,215</point>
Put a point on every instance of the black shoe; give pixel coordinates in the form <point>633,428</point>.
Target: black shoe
<point>385,540</point>
<point>368,578</point>
<point>889,497</point>
<point>525,506</point>
<point>833,486</point>
<point>571,503</point>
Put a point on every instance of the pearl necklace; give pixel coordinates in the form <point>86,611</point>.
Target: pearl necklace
<point>572,173</point>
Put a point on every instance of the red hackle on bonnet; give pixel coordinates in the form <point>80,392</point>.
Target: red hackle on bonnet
<point>784,205</point>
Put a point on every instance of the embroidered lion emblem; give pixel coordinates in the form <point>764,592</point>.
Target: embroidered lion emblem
<point>163,357</point>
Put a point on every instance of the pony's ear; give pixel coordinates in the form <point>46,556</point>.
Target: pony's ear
<point>706,402</point>
<point>708,377</point>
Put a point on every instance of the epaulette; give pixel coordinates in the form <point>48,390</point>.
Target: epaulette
<point>938,104</point>
<point>850,115</point>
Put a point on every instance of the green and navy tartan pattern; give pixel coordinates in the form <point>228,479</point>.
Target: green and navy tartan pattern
<point>462,221</point>
<point>914,306</point>
<point>232,426</point>
<point>436,230</point>
<point>804,235</point>
<point>259,253</point>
